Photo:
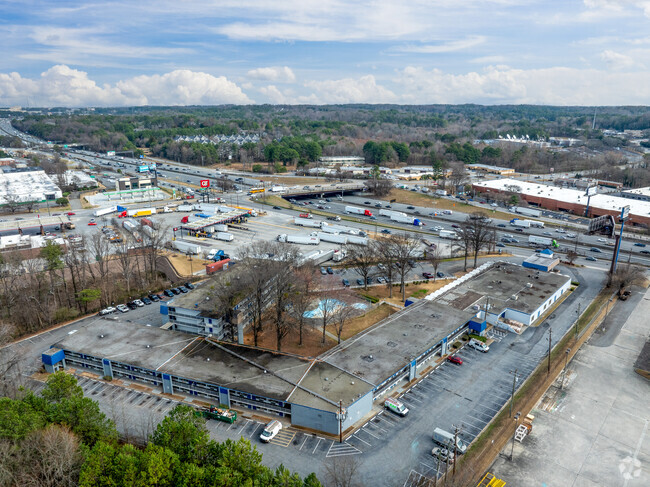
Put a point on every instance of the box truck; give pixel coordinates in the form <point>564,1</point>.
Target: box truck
<point>185,208</point>
<point>446,440</point>
<point>358,211</point>
<point>298,239</point>
<point>220,228</point>
<point>306,222</point>
<point>520,223</point>
<point>527,211</point>
<point>141,212</point>
<point>186,247</point>
<point>542,241</point>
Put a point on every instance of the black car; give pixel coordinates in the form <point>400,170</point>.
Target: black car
<point>146,300</point>
<point>366,203</point>
<point>639,244</point>
<point>183,289</point>
<point>368,280</point>
<point>174,291</point>
<point>189,285</point>
<point>132,305</point>
<point>440,274</point>
<point>154,297</point>
<point>645,251</point>
<point>277,208</point>
<point>410,207</point>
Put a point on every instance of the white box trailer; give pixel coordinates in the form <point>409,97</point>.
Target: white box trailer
<point>186,247</point>
<point>339,255</point>
<point>535,223</point>
<point>441,192</point>
<point>298,239</point>
<point>409,220</point>
<point>388,213</point>
<point>528,211</point>
<point>220,228</point>
<point>184,207</point>
<point>306,222</point>
<point>520,223</point>
<point>543,241</point>
<point>320,256</point>
<point>448,234</point>
<point>129,226</point>
<point>331,237</point>
<point>147,230</point>
<point>356,240</point>
<point>105,211</point>
<point>340,229</point>
<point>228,237</point>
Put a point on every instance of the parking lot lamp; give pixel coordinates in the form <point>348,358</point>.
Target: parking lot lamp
<point>512,450</point>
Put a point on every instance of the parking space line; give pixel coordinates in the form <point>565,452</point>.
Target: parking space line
<point>411,398</point>
<point>318,443</point>
<point>243,426</point>
<point>378,427</point>
<point>471,425</point>
<point>364,430</point>
<point>257,425</point>
<point>303,443</point>
<point>362,441</point>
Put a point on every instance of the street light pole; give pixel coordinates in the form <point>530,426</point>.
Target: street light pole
<point>566,361</point>
<point>512,450</point>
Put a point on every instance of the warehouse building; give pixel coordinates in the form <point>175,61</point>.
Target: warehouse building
<point>307,391</point>
<point>21,186</point>
<point>569,200</point>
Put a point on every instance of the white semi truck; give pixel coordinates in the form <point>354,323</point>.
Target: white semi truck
<point>306,222</point>
<point>331,237</point>
<point>406,219</point>
<point>448,234</point>
<point>299,239</point>
<point>527,211</point>
<point>542,241</point>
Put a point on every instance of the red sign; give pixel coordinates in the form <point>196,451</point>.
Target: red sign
<point>205,183</point>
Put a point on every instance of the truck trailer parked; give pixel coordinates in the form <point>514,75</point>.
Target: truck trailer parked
<point>298,239</point>
<point>228,237</point>
<point>306,222</point>
<point>331,237</point>
<point>141,212</point>
<point>186,247</point>
<point>356,240</point>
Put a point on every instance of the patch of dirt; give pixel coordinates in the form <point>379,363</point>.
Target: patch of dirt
<point>419,290</point>
<point>184,265</point>
<point>360,323</point>
<point>311,346</point>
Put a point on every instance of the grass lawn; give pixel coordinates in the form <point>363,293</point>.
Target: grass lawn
<point>412,290</point>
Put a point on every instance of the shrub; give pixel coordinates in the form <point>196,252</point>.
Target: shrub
<point>257,168</point>
<point>372,299</point>
<point>477,337</point>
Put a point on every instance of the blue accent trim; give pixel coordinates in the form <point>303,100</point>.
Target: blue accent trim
<point>163,309</point>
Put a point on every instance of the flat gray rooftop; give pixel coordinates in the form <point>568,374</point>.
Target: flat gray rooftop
<point>503,281</point>
<point>144,346</point>
<point>385,348</point>
<point>199,298</point>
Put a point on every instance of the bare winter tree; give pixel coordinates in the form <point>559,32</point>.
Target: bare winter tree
<point>342,471</point>
<point>458,176</point>
<point>463,242</point>
<point>434,256</point>
<point>480,233</point>
<point>406,248</point>
<point>328,306</point>
<point>388,255</point>
<point>285,259</point>
<point>225,293</point>
<point>362,259</point>
<point>302,295</point>
<point>343,313</point>
<point>627,275</point>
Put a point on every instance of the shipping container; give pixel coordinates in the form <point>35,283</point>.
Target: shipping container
<point>217,266</point>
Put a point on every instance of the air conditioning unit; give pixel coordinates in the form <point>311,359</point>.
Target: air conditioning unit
<point>529,285</point>
<point>514,297</point>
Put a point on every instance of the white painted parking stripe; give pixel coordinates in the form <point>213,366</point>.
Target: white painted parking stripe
<point>363,441</point>
<point>488,407</point>
<point>318,443</point>
<point>303,443</point>
<point>244,426</point>
<point>411,398</point>
<point>375,425</point>
<point>366,431</point>
<point>254,430</point>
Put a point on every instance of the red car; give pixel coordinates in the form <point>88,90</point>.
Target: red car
<point>427,275</point>
<point>455,360</point>
<point>91,224</point>
<point>70,213</point>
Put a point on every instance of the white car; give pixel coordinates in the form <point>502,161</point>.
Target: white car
<point>602,240</point>
<point>138,303</point>
<point>123,308</point>
<point>107,311</point>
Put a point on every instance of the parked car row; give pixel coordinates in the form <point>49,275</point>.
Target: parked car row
<point>147,300</point>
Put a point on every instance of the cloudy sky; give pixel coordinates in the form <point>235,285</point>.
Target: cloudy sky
<point>180,52</point>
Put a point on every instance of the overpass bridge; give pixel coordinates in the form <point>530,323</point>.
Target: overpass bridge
<point>322,190</point>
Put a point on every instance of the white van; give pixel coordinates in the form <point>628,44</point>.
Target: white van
<point>396,406</point>
<point>478,345</point>
<point>447,212</point>
<point>271,430</point>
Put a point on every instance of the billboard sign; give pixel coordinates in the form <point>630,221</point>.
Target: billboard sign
<point>592,190</point>
<point>205,183</point>
<point>110,153</point>
<point>143,168</point>
<point>625,212</point>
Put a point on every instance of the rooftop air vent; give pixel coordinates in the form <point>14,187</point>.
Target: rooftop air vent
<point>529,285</point>
<point>515,297</point>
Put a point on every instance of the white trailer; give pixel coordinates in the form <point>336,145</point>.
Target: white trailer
<point>358,211</point>
<point>339,255</point>
<point>520,223</point>
<point>389,213</point>
<point>129,226</point>
<point>299,239</point>
<point>535,223</point>
<point>306,222</point>
<point>528,211</point>
<point>331,237</point>
<point>184,207</point>
<point>406,219</point>
<point>146,229</point>
<point>448,234</point>
<point>340,229</point>
<point>220,228</point>
<point>542,241</point>
<point>441,192</point>
<point>141,212</point>
<point>356,240</point>
<point>105,211</point>
<point>223,236</point>
<point>320,256</point>
<point>186,247</point>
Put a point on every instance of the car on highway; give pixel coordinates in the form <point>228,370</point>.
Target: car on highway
<point>602,240</point>
<point>548,234</point>
<point>122,308</point>
<point>92,224</point>
<point>455,360</point>
<point>70,213</point>
<point>591,258</point>
<point>277,208</point>
<point>410,207</point>
<point>595,249</point>
<point>427,275</point>
<point>455,226</point>
<point>645,251</point>
<point>514,240</point>
<point>386,231</point>
<point>638,244</point>
<point>501,225</point>
<point>367,203</point>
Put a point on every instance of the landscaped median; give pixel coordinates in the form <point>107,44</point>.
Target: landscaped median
<point>473,465</point>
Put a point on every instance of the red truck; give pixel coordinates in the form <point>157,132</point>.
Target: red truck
<point>305,215</point>
<point>185,219</point>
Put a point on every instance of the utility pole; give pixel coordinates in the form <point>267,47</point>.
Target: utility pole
<point>512,397</point>
<point>512,450</point>
<point>566,362</point>
<point>340,421</point>
<point>456,431</point>
<point>550,332</point>
<point>577,319</point>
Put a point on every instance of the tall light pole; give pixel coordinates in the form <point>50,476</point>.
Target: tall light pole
<point>512,450</point>
<point>566,362</point>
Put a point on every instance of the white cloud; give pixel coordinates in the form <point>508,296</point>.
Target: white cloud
<point>348,90</point>
<point>274,95</point>
<point>616,60</point>
<point>450,46</point>
<point>63,86</point>
<point>275,74</point>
